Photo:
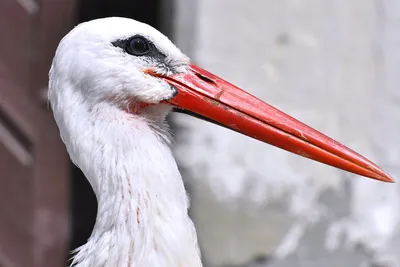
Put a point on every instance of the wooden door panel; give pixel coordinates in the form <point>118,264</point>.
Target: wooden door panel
<point>17,161</point>
<point>17,136</point>
<point>34,221</point>
<point>15,36</point>
<point>16,196</point>
<point>15,246</point>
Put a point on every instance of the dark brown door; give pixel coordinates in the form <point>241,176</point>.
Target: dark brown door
<point>34,168</point>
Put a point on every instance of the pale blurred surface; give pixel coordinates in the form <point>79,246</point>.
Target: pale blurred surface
<point>334,65</point>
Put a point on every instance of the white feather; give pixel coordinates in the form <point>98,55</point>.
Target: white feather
<point>142,218</point>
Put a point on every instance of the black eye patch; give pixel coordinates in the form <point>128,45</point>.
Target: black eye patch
<point>140,46</point>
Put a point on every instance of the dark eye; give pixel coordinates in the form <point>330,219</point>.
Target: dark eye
<point>138,46</point>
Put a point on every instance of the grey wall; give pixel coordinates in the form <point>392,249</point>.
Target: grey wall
<point>333,64</point>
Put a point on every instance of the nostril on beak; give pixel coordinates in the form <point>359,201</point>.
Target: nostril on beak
<point>205,79</point>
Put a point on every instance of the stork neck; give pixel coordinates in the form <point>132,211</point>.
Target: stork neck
<point>142,215</point>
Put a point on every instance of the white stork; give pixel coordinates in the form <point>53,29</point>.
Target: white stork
<point>112,83</point>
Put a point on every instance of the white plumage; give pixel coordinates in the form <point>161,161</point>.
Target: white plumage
<point>142,215</point>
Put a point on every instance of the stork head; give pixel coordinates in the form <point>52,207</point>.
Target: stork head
<point>108,60</point>
<point>132,66</point>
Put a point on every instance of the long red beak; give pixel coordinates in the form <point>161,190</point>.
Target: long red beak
<point>209,96</point>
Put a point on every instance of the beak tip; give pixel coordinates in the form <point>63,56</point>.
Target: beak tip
<point>387,178</point>
<point>391,180</point>
<point>384,176</point>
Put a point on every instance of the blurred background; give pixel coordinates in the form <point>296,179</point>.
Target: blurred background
<point>333,64</point>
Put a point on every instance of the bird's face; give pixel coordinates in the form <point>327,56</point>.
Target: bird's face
<point>133,66</point>
<point>110,60</point>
